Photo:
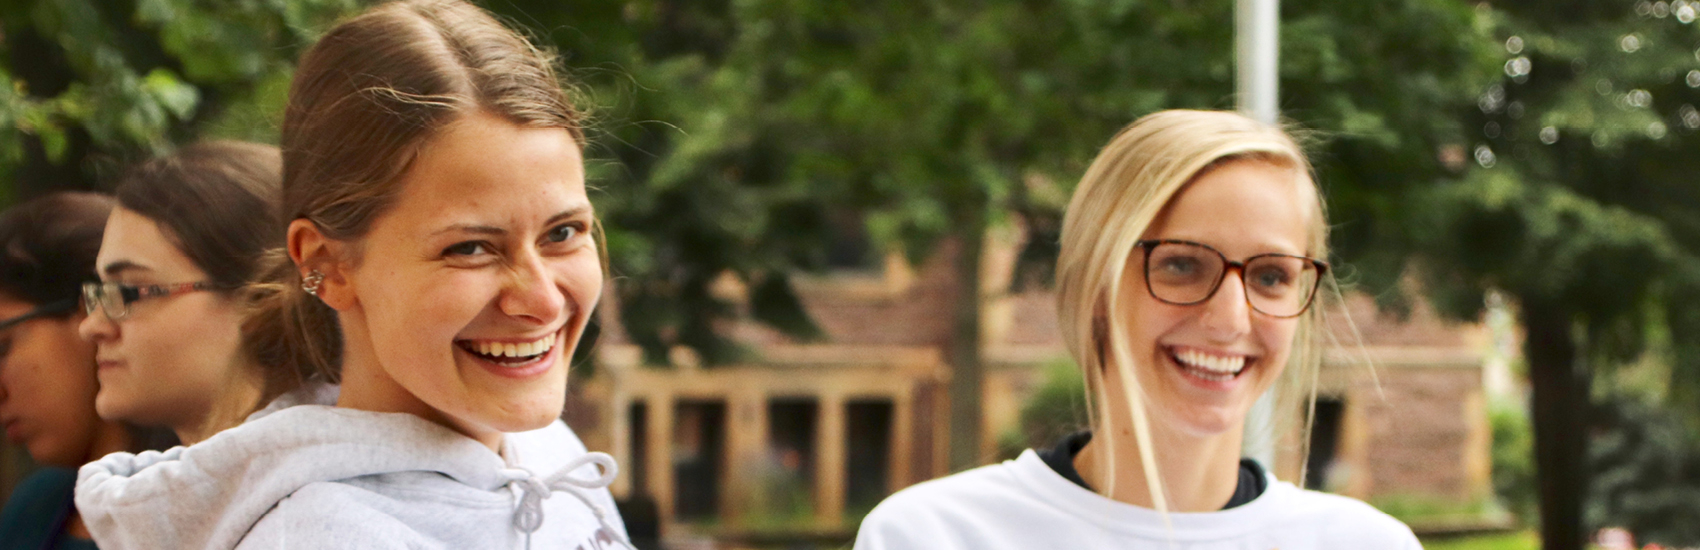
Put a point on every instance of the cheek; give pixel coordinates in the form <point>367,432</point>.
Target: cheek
<point>28,385</point>
<point>140,342</point>
<point>72,361</point>
<point>56,379</point>
<point>1276,337</point>
<point>422,311</point>
<point>216,324</point>
<point>581,280</point>
<point>1148,321</point>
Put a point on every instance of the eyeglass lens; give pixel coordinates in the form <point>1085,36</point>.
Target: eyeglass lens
<point>1182,273</point>
<point>108,297</point>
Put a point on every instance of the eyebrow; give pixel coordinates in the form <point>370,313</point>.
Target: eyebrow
<point>481,229</point>
<point>115,268</point>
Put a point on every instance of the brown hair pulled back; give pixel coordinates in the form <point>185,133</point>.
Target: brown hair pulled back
<point>218,201</point>
<point>366,98</point>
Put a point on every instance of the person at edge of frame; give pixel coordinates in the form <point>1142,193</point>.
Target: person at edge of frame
<point>47,373</point>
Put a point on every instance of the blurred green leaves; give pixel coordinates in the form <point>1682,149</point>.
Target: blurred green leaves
<point>88,85</point>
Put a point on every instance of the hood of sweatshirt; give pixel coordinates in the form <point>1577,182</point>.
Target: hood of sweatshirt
<point>211,494</point>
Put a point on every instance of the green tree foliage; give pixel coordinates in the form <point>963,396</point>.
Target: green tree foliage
<point>1580,204</point>
<point>1056,409</point>
<point>740,132</point>
<point>738,137</point>
<point>1645,473</point>
<point>1514,461</point>
<point>89,85</point>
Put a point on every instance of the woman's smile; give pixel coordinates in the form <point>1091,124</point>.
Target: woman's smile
<point>514,358</point>
<point>1210,369</point>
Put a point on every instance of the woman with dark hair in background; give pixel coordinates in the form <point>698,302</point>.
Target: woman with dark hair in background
<point>47,373</point>
<point>189,231</point>
<point>442,267</point>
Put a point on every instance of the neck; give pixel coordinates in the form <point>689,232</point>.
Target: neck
<point>367,386</point>
<point>239,397</point>
<point>1198,473</point>
<point>75,528</point>
<point>109,437</point>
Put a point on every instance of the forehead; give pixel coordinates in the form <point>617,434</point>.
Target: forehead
<point>134,239</point>
<point>488,168</point>
<point>1243,208</point>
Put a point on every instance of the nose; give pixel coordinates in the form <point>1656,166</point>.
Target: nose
<point>532,293</point>
<point>1227,314</point>
<point>96,327</point>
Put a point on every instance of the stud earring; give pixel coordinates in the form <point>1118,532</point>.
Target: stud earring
<point>312,281</point>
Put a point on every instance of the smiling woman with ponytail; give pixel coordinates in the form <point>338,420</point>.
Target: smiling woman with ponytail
<point>440,266</point>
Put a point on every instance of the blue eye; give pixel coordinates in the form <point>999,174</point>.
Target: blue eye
<point>1271,278</point>
<point>561,233</point>
<point>1179,266</point>
<point>469,248</point>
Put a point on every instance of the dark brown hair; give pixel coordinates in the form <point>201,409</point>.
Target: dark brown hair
<point>48,246</point>
<point>366,98</point>
<point>219,202</point>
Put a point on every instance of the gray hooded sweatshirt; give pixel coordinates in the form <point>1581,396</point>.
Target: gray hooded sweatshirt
<point>314,476</point>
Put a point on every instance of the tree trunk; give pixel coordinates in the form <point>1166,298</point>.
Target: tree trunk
<point>964,349</point>
<point>1560,402</point>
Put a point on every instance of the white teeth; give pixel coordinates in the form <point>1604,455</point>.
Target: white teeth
<point>1215,364</point>
<point>523,349</point>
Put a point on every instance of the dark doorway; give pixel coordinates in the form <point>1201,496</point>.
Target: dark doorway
<point>791,435</point>
<point>699,441</point>
<point>637,418</point>
<point>1324,442</point>
<point>868,443</point>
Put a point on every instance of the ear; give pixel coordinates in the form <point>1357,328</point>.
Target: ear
<point>311,250</point>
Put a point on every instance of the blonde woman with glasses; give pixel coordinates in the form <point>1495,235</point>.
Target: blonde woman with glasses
<point>1192,253</point>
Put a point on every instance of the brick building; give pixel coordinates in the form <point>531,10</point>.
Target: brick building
<point>865,413</point>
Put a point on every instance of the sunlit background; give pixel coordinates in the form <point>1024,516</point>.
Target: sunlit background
<point>820,213</point>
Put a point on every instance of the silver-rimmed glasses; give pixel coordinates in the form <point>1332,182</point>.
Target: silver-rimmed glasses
<point>1186,273</point>
<point>115,298</point>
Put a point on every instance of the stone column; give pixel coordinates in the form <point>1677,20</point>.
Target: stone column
<point>659,463</point>
<point>620,435</point>
<point>746,452</point>
<point>830,457</point>
<point>902,440</point>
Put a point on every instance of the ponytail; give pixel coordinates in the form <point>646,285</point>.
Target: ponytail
<point>293,336</point>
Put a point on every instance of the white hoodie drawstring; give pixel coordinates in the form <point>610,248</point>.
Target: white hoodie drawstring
<point>529,517</point>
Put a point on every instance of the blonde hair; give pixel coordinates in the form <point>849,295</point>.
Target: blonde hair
<point>1126,188</point>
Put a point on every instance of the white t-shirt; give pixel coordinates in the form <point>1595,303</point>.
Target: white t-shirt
<point>1024,504</point>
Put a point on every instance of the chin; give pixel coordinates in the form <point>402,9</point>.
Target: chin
<point>516,424</point>
<point>107,406</point>
<point>47,454</point>
<point>1207,423</point>
<point>526,413</point>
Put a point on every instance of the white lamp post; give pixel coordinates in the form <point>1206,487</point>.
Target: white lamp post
<point>1256,25</point>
